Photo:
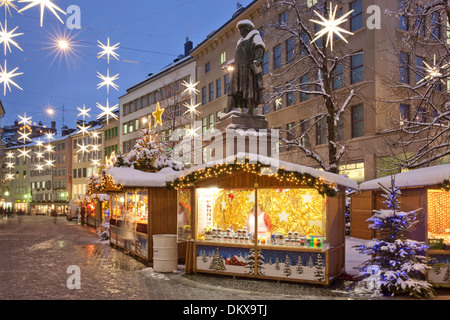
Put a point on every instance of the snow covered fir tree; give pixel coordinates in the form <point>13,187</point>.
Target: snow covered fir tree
<point>150,154</point>
<point>396,266</point>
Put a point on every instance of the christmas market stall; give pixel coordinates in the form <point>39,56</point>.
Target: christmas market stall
<point>427,189</point>
<point>140,206</point>
<point>255,220</point>
<point>96,206</point>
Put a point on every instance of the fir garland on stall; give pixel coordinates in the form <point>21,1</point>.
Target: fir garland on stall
<point>300,179</point>
<point>445,185</point>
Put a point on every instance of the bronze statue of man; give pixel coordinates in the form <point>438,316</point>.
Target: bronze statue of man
<point>246,83</point>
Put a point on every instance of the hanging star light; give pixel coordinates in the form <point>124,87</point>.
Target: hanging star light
<point>108,111</point>
<point>8,4</point>
<point>158,115</point>
<point>43,4</point>
<point>192,109</point>
<point>9,177</point>
<point>6,37</point>
<point>83,128</point>
<point>6,78</point>
<point>331,26</point>
<point>24,153</point>
<point>84,112</point>
<point>191,87</point>
<point>108,50</point>
<point>49,163</point>
<point>433,72</point>
<point>108,81</point>
<point>25,120</point>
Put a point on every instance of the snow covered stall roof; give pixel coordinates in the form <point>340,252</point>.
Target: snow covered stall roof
<point>266,161</point>
<point>128,177</point>
<point>415,178</point>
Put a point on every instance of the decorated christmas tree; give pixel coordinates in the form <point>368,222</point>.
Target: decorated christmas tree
<point>217,263</point>
<point>250,267</point>
<point>400,267</point>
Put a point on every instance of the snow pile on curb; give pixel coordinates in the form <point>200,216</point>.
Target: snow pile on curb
<point>149,272</point>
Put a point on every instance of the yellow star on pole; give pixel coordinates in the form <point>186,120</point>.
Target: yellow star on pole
<point>43,4</point>
<point>158,114</point>
<point>331,26</point>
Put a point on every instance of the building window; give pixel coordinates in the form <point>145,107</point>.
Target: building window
<point>404,114</point>
<point>420,68</point>
<point>283,18</point>
<point>420,22</point>
<point>204,101</point>
<point>218,88</point>
<point>277,57</point>
<point>357,121</point>
<point>204,124</point>
<point>403,23</point>
<point>290,99</point>
<point>340,129</point>
<point>305,127</point>
<point>211,121</point>
<point>211,91</point>
<point>125,128</point>
<point>404,67</point>
<point>356,18</point>
<point>338,77</point>
<point>436,25</point>
<point>223,57</point>
<point>304,80</point>
<point>304,44</point>
<point>321,131</point>
<point>357,67</point>
<point>266,63</point>
<point>207,67</point>
<point>421,116</point>
<point>290,49</point>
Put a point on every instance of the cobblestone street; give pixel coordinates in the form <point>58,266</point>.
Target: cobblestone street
<point>35,253</point>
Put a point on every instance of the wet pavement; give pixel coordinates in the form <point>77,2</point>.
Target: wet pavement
<point>36,254</point>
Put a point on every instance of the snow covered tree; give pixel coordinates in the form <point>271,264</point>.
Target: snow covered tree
<point>287,267</point>
<point>250,267</point>
<point>420,129</point>
<point>400,266</point>
<point>277,264</point>
<point>149,154</point>
<point>313,72</point>
<point>299,265</point>
<point>319,273</point>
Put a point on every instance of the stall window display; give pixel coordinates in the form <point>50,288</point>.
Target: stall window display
<point>184,215</point>
<point>285,217</point>
<point>439,218</point>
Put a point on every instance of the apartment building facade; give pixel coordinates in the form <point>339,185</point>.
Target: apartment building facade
<point>372,60</point>
<point>164,89</point>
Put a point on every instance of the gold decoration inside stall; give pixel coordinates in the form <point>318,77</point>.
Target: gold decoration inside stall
<point>439,215</point>
<point>301,210</point>
<point>232,207</point>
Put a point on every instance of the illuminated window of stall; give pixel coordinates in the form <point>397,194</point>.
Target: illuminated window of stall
<point>117,206</point>
<point>439,215</point>
<point>223,214</point>
<point>142,206</point>
<point>184,214</point>
<point>282,212</point>
<point>131,205</point>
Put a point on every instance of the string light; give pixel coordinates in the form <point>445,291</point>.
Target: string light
<point>6,37</point>
<point>108,81</point>
<point>108,50</point>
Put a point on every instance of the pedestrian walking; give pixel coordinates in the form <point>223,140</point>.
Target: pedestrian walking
<point>83,216</point>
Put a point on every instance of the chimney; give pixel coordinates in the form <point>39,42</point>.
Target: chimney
<point>188,46</point>
<point>53,125</point>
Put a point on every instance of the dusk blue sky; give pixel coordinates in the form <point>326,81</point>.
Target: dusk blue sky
<point>151,33</point>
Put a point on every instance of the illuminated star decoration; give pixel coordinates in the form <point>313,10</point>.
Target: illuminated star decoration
<point>283,216</point>
<point>108,50</point>
<point>6,78</point>
<point>308,198</point>
<point>108,111</point>
<point>84,112</point>
<point>10,165</point>
<point>331,26</point>
<point>8,5</point>
<point>191,87</point>
<point>6,37</point>
<point>192,109</point>
<point>43,4</point>
<point>433,72</point>
<point>158,114</point>
<point>108,81</point>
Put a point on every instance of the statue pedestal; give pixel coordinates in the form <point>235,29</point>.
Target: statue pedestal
<point>241,134</point>
<point>236,120</point>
